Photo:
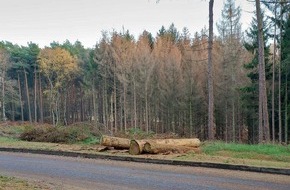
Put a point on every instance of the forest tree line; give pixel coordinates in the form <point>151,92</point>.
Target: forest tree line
<point>157,83</point>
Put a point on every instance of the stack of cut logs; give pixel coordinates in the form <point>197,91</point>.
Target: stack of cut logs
<point>152,146</point>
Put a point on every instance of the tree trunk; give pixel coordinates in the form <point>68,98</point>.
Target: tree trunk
<point>155,148</point>
<point>233,121</point>
<point>118,143</point>
<point>211,131</point>
<point>65,109</point>
<point>226,122</point>
<point>20,98</point>
<point>121,112</point>
<point>94,103</point>
<point>40,100</point>
<point>125,108</point>
<point>263,107</point>
<point>111,115</point>
<point>273,77</point>
<point>104,109</point>
<point>192,142</point>
<point>286,111</point>
<point>27,96</point>
<point>146,110</point>
<point>279,81</point>
<point>13,109</point>
<point>35,95</point>
<point>190,115</point>
<point>115,103</point>
<point>106,104</point>
<point>135,104</point>
<point>3,95</point>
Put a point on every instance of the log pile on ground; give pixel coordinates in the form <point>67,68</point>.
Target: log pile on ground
<point>152,146</point>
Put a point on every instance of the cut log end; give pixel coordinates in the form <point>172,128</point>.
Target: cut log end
<point>134,148</point>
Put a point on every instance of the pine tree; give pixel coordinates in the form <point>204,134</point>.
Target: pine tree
<point>230,25</point>
<point>250,96</point>
<point>229,28</point>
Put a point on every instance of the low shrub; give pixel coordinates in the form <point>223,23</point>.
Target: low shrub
<point>62,134</point>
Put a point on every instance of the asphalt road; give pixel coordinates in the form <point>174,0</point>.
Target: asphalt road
<point>79,173</point>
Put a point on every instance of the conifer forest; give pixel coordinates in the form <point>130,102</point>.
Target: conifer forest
<point>231,85</point>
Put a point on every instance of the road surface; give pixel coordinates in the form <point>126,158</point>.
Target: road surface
<point>79,173</point>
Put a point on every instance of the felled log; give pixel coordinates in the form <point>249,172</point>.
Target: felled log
<point>154,148</point>
<point>193,142</point>
<point>116,142</point>
<point>136,147</point>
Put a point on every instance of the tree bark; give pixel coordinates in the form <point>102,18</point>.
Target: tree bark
<point>94,103</point>
<point>125,107</point>
<point>40,100</point>
<point>115,102</point>
<point>20,98</point>
<point>273,77</point>
<point>286,111</point>
<point>27,96</point>
<point>279,81</point>
<point>155,148</point>
<point>35,95</point>
<point>211,131</point>
<point>3,95</point>
<point>193,142</point>
<point>116,142</point>
<point>263,107</point>
<point>135,103</point>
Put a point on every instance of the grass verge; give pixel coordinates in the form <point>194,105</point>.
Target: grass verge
<point>11,183</point>
<point>263,155</point>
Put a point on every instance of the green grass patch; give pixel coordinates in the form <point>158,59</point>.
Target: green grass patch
<point>244,151</point>
<point>8,140</point>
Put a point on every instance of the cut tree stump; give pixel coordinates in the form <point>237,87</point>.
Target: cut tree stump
<point>136,147</point>
<point>116,142</point>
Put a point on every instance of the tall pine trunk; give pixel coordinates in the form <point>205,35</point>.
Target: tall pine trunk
<point>40,100</point>
<point>211,131</point>
<point>286,111</point>
<point>263,109</point>
<point>27,95</point>
<point>20,98</point>
<point>3,95</point>
<point>115,102</point>
<point>273,77</point>
<point>35,95</point>
<point>94,103</point>
<point>125,107</point>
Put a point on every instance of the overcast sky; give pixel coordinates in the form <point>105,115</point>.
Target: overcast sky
<point>44,21</point>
